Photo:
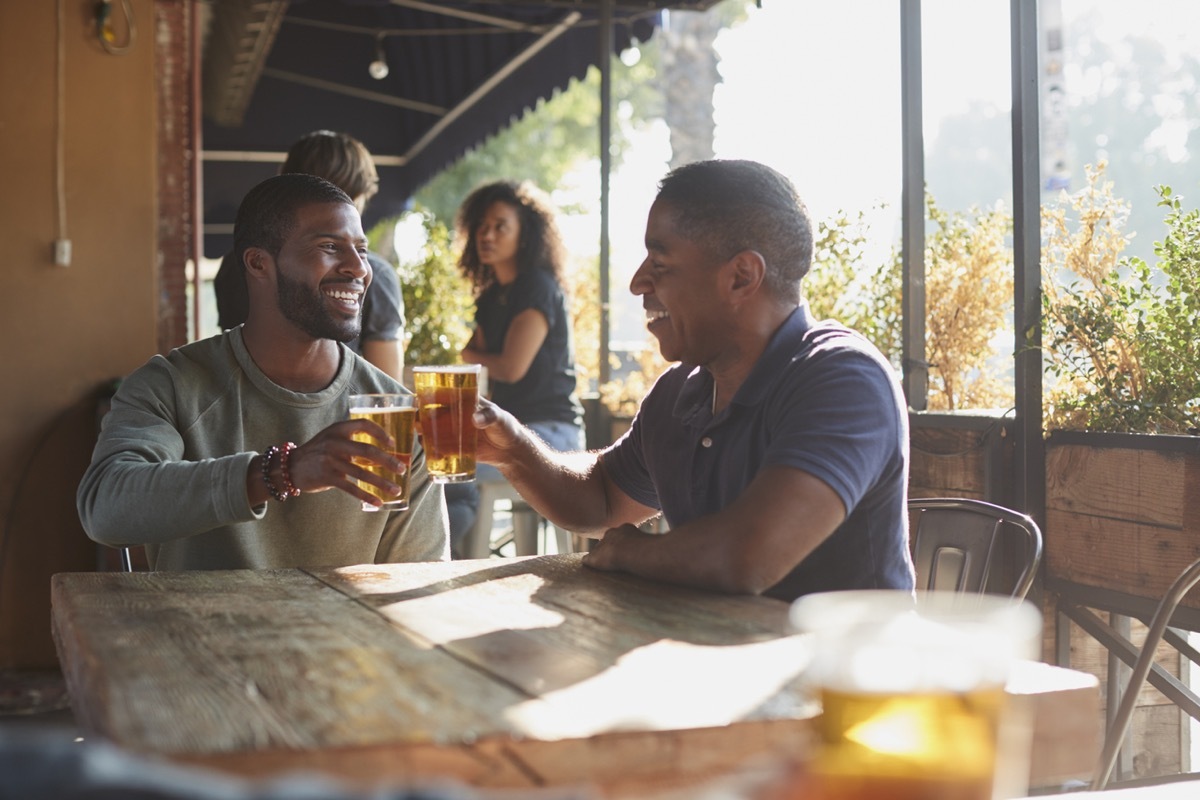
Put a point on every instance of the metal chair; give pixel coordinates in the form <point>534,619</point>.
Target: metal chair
<point>526,524</point>
<point>1141,670</point>
<point>957,542</point>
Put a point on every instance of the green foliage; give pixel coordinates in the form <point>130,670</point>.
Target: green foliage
<point>968,302</point>
<point>843,287</point>
<point>584,299</point>
<point>553,138</point>
<point>968,293</point>
<point>1120,336</point>
<point>437,303</point>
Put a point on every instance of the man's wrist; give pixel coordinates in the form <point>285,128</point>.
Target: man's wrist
<point>276,475</point>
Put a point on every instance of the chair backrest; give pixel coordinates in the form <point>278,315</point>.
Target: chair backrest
<point>960,545</point>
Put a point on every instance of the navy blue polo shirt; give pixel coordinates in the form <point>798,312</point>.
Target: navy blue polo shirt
<point>820,399</point>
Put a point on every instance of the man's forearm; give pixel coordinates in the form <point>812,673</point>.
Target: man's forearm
<point>126,501</point>
<point>699,555</point>
<point>566,488</point>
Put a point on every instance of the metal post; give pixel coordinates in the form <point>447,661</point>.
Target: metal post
<point>915,368</point>
<point>195,226</point>
<point>605,61</point>
<point>1030,477</point>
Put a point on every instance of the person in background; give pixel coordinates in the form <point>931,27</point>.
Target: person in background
<point>776,449</point>
<point>346,163</point>
<point>513,256</point>
<point>196,459</point>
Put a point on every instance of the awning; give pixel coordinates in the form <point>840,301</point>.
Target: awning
<point>457,73</point>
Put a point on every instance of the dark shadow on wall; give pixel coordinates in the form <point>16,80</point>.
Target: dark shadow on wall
<point>40,532</point>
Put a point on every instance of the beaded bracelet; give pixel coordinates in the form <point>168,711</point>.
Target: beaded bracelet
<point>267,455</point>
<point>289,488</point>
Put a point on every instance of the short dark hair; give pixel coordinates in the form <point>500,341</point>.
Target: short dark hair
<point>727,206</point>
<point>338,158</point>
<point>268,211</point>
<point>540,245</point>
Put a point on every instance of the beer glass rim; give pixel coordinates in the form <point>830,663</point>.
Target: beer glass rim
<point>447,368</point>
<point>365,399</point>
<point>822,610</point>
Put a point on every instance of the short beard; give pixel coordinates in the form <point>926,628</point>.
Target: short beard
<point>306,309</point>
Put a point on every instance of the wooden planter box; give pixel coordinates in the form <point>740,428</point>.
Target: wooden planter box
<point>960,455</point>
<point>1122,521</point>
<point>1124,510</point>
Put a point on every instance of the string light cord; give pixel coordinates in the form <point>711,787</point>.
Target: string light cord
<point>106,32</point>
<point>978,445</point>
<point>60,107</point>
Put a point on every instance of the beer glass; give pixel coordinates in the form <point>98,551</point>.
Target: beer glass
<point>912,692</point>
<point>396,414</point>
<point>446,400</point>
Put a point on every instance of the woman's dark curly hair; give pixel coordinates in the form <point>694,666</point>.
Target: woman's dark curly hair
<point>539,246</point>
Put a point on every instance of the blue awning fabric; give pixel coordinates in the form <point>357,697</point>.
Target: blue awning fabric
<point>458,72</point>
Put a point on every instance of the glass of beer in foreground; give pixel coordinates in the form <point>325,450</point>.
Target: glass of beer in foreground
<point>446,400</point>
<point>396,414</point>
<point>912,692</point>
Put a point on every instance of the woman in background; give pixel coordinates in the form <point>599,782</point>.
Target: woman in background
<point>513,256</point>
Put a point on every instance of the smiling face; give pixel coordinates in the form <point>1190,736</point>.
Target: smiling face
<point>679,283</point>
<point>497,239</point>
<point>322,271</point>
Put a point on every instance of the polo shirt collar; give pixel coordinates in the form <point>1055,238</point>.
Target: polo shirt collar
<point>784,344</point>
<point>694,403</point>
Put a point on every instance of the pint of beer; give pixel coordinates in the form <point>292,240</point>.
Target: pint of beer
<point>446,400</point>
<point>912,695</point>
<point>396,414</point>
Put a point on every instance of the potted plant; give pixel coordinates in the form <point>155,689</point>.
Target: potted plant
<point>438,306</point>
<point>1122,405</point>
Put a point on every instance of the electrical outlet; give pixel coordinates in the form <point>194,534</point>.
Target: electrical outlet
<point>62,252</point>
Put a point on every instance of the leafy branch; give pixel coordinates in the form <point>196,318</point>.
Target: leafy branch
<point>1119,335</point>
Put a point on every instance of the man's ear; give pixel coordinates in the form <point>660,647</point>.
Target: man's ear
<point>749,272</point>
<point>256,261</point>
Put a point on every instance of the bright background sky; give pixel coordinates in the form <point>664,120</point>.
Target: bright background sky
<point>813,89</point>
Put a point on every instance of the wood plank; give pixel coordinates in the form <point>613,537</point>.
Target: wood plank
<point>946,462</point>
<point>1140,486</point>
<point>613,765</point>
<point>604,653</point>
<point>916,490</point>
<point>192,663</point>
<point>1120,555</point>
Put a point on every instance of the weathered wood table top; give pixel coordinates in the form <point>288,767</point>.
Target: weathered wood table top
<point>501,673</point>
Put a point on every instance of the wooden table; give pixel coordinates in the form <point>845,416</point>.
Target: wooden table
<point>502,673</point>
<point>1181,790</point>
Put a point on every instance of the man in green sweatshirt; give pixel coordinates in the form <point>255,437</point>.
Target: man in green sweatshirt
<point>196,459</point>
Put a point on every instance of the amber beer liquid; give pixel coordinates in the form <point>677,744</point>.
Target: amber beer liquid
<point>911,686</point>
<point>446,398</point>
<point>399,420</point>
<point>937,745</point>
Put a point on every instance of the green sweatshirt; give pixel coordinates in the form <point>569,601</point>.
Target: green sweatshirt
<point>169,470</point>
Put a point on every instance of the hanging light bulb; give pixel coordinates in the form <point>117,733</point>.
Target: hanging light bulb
<point>379,67</point>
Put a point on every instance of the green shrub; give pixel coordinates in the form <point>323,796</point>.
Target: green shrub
<point>438,305</point>
<point>1119,337</point>
<point>968,298</point>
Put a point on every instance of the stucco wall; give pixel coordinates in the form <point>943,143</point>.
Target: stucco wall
<point>66,330</point>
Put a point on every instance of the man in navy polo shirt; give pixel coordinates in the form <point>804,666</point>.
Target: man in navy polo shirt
<point>776,449</point>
